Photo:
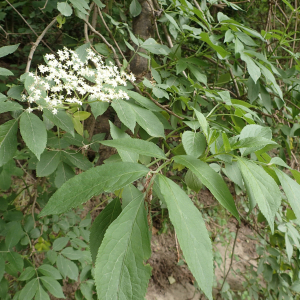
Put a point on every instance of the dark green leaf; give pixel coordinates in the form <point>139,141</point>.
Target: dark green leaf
<point>48,163</point>
<point>194,143</point>
<point>101,223</point>
<point>49,271</point>
<point>52,286</point>
<point>29,290</point>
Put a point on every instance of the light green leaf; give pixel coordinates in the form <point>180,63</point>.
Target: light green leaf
<point>105,178</point>
<point>49,271</point>
<point>60,243</point>
<point>191,232</point>
<point>199,76</point>
<point>98,108</point>
<point>152,46</point>
<point>5,72</point>
<point>148,121</point>
<point>203,122</point>
<point>63,173</point>
<point>232,171</point>
<point>137,146</point>
<point>64,8</point>
<point>125,113</point>
<point>194,143</point>
<point>291,189</point>
<point>61,119</point>
<point>261,189</point>
<point>67,268</point>
<point>212,180</point>
<point>160,93</point>
<point>130,193</point>
<point>205,37</point>
<point>29,290</point>
<point>34,133</point>
<point>52,286</point>
<point>253,69</point>
<point>278,161</point>
<point>81,5</point>
<point>135,8</point>
<point>225,95</point>
<point>9,106</point>
<point>126,156</point>
<point>147,103</point>
<point>41,294</point>
<point>120,272</point>
<point>172,21</point>
<point>27,274</point>
<point>8,141</point>
<point>101,223</point>
<point>48,163</point>
<point>8,50</point>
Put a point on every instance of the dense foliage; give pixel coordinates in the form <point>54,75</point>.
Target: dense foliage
<point>197,94</point>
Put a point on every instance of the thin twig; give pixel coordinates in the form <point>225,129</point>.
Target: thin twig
<point>231,261</point>
<point>295,34</point>
<point>44,5</point>
<point>106,43</point>
<point>177,247</point>
<point>234,80</point>
<point>111,35</point>
<point>85,27</point>
<point>29,25</point>
<point>6,33</point>
<point>34,46</point>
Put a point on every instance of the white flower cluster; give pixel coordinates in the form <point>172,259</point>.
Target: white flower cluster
<point>68,80</point>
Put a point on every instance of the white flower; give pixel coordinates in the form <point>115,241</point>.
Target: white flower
<point>29,109</point>
<point>54,111</point>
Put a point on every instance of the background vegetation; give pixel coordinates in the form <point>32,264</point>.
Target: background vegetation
<point>214,104</point>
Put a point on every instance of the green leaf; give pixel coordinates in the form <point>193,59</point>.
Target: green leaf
<point>27,274</point>
<point>194,143</point>
<point>143,101</point>
<point>232,171</point>
<point>116,133</point>
<point>2,267</point>
<point>203,122</point>
<point>78,159</point>
<point>192,181</point>
<point>49,271</point>
<point>105,178</point>
<point>205,37</point>
<point>72,254</point>
<point>61,119</point>
<point>16,260</point>
<point>172,21</point>
<point>125,113</point>
<point>190,230</point>
<point>261,189</point>
<point>101,223</point>
<point>60,243</point>
<point>253,69</point>
<point>120,272</point>
<point>41,294</point>
<point>98,108</point>
<point>63,173</point>
<point>181,65</point>
<point>29,290</point>
<point>135,8</point>
<point>8,50</point>
<point>52,286</point>
<point>34,133</point>
<point>212,180</point>
<point>291,189</point>
<point>199,76</point>
<point>81,5</point>
<point>8,141</point>
<point>48,163</point>
<point>152,46</point>
<point>86,289</point>
<point>9,106</point>
<point>67,268</point>
<point>5,72</point>
<point>252,144</point>
<point>137,146</point>
<point>14,234</point>
<point>64,8</point>
<point>148,121</point>
<point>130,193</point>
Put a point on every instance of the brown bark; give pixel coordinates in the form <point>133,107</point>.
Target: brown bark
<point>142,27</point>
